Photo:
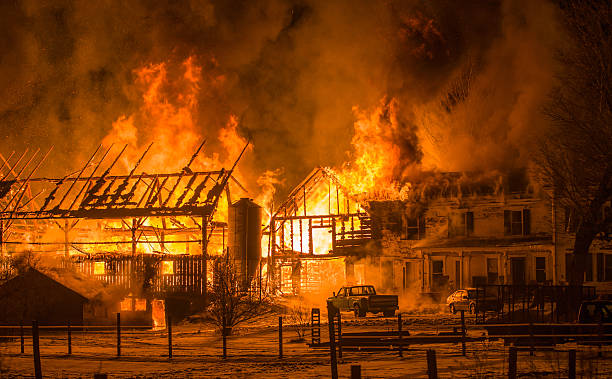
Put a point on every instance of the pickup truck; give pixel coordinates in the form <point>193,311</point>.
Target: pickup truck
<point>363,299</point>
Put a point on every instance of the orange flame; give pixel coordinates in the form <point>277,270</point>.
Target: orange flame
<point>376,156</point>
<point>168,116</point>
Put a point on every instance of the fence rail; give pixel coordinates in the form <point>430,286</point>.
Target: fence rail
<point>531,303</point>
<point>116,340</point>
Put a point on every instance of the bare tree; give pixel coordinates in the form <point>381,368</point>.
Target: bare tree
<point>299,316</point>
<point>231,304</point>
<point>577,152</point>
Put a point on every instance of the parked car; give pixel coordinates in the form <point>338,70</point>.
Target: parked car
<point>462,300</point>
<point>471,300</point>
<point>363,299</point>
<point>595,311</point>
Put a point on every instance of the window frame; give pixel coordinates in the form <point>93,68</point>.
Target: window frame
<point>607,267</point>
<point>540,270</point>
<point>517,222</point>
<point>434,262</point>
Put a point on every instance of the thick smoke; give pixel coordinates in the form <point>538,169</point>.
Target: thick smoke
<point>468,76</point>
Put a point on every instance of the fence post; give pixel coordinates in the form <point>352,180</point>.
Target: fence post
<point>22,338</point>
<point>224,335</point>
<point>118,334</point>
<point>600,332</point>
<point>399,335</point>
<point>432,366</point>
<point>572,365</point>
<point>532,350</point>
<point>332,340</point>
<point>355,371</point>
<point>463,333</point>
<point>169,328</point>
<point>69,339</point>
<point>512,363</point>
<point>339,334</point>
<point>280,336</point>
<point>36,350</point>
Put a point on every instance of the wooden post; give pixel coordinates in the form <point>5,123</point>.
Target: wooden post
<point>333,231</point>
<point>36,350</point>
<point>463,333</point>
<point>332,340</point>
<point>2,238</point>
<point>118,334</point>
<point>512,363</point>
<point>69,339</point>
<point>339,334</point>
<point>601,337</point>
<point>432,366</point>
<point>310,242</point>
<point>532,350</point>
<point>66,239</point>
<point>355,371</point>
<point>572,365</point>
<point>399,335</point>
<point>280,336</point>
<point>133,231</point>
<point>224,335</point>
<point>169,328</point>
<point>22,338</point>
<point>205,263</point>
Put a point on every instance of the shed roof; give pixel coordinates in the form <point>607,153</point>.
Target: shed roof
<point>32,275</point>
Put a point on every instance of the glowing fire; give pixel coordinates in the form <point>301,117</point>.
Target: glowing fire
<point>168,116</point>
<point>372,172</point>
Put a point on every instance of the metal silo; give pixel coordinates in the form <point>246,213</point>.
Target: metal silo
<point>244,240</point>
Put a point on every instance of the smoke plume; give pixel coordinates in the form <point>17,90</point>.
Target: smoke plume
<point>466,78</point>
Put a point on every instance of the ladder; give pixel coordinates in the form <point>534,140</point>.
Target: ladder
<point>315,325</point>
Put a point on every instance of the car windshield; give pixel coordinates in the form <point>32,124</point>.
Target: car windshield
<point>606,310</point>
<point>472,294</point>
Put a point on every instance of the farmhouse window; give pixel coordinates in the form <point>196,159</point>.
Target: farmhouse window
<point>540,268</point>
<point>517,223</point>
<point>415,228</point>
<point>461,224</point>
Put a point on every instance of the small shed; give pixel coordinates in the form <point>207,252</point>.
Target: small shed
<point>32,295</point>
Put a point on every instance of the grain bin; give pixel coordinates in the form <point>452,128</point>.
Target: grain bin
<point>244,240</point>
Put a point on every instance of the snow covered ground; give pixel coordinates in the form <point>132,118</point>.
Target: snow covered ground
<point>253,351</point>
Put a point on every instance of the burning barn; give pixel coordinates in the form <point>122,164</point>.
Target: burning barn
<point>151,235</point>
<point>316,234</point>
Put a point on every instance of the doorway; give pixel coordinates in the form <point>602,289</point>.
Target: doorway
<point>517,267</point>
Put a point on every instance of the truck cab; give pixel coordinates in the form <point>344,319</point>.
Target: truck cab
<point>363,299</point>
